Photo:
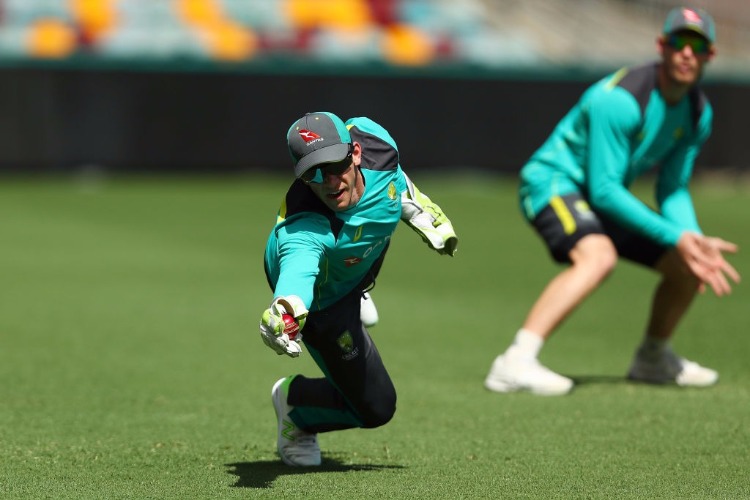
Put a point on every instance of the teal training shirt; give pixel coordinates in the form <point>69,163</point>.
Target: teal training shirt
<point>321,255</point>
<point>621,128</point>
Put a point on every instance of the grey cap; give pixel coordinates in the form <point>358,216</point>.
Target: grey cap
<point>316,138</point>
<point>686,18</point>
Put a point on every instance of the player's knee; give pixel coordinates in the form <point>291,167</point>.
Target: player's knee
<point>379,418</point>
<point>595,255</point>
<point>607,261</point>
<point>379,414</point>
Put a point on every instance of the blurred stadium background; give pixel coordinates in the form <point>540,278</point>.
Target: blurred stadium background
<point>212,85</point>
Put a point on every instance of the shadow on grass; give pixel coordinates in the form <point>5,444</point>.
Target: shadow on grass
<point>262,474</point>
<point>591,380</point>
<point>601,380</point>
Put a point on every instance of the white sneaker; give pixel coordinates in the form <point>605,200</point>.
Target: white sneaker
<point>510,374</point>
<point>296,447</point>
<point>368,313</point>
<point>667,367</point>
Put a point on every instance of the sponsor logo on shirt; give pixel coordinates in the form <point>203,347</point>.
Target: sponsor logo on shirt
<point>352,261</point>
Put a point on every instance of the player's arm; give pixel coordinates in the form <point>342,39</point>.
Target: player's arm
<point>672,187</point>
<point>703,255</point>
<point>428,220</point>
<point>614,119</point>
<point>296,278</point>
<point>298,248</point>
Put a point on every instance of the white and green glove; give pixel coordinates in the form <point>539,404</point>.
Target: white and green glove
<point>428,220</point>
<point>280,335</point>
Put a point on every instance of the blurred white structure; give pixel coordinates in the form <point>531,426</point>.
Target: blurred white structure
<point>607,32</point>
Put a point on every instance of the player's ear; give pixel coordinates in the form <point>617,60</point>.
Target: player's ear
<point>711,52</point>
<point>661,42</point>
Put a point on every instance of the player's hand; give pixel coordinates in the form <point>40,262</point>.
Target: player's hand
<point>427,219</point>
<point>273,329</point>
<point>704,256</point>
<point>437,232</point>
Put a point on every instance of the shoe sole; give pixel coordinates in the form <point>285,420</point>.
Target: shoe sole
<point>505,388</point>
<point>679,383</point>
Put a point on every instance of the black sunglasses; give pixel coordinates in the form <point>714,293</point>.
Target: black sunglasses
<point>318,174</point>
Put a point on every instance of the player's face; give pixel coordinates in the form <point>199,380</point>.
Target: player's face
<point>342,184</point>
<point>684,55</point>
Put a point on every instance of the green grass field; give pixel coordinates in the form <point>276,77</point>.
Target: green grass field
<point>131,364</point>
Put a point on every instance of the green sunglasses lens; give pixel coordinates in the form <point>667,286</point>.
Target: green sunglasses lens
<point>697,45</point>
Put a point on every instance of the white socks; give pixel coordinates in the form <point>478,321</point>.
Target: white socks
<point>525,345</point>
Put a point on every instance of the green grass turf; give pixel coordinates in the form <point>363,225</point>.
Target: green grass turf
<point>131,365</point>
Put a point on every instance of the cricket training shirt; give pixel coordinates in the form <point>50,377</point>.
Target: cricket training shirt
<point>321,255</point>
<point>620,129</point>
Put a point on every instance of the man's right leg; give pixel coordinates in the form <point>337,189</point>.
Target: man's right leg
<point>573,234</point>
<point>592,260</point>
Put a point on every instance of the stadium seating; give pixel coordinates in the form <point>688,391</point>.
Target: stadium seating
<point>411,33</point>
<point>398,32</point>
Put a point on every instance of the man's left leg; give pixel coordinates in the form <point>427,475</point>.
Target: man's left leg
<point>655,362</point>
<point>356,390</point>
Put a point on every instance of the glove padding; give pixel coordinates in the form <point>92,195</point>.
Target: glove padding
<point>427,219</point>
<point>272,325</point>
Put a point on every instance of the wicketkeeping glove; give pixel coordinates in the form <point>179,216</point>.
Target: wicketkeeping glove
<point>272,325</point>
<point>428,220</point>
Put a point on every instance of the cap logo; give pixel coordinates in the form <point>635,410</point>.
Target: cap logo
<point>308,136</point>
<point>692,16</point>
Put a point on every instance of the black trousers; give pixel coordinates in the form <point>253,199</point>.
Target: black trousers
<point>356,390</point>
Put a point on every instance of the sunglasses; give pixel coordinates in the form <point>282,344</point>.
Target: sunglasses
<point>699,46</point>
<point>318,174</point>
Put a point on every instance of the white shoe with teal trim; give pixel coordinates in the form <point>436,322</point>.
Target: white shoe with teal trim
<point>513,373</point>
<point>296,447</point>
<point>666,367</point>
<point>368,313</point>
